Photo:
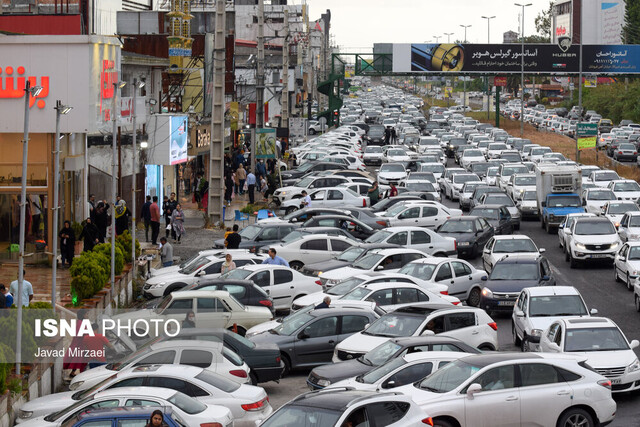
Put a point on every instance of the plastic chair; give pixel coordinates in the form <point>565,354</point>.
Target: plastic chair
<point>241,217</point>
<point>263,214</point>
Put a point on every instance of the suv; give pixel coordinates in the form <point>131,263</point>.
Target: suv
<point>591,239</point>
<point>256,235</point>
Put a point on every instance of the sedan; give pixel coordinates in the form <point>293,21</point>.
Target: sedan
<point>392,295</point>
<point>261,234</point>
<point>355,227</point>
<point>422,214</point>
<point>614,211</point>
<point>470,232</point>
<point>626,151</point>
<point>625,189</point>
<point>504,200</point>
<point>391,173</point>
<point>311,248</point>
<point>629,229</point>
<point>602,178</point>
<point>499,246</point>
<point>331,197</point>
<point>626,265</point>
<point>416,238</point>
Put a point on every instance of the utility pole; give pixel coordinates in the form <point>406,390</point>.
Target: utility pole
<point>580,86</point>
<point>216,149</point>
<point>259,78</point>
<point>285,72</point>
<point>448,37</point>
<point>522,71</point>
<point>488,18</point>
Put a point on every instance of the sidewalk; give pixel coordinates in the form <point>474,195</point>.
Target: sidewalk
<point>40,279</point>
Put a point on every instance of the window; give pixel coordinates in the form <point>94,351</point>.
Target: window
<point>385,413</point>
<point>270,233</point>
<point>353,324</point>
<point>383,297</point>
<point>436,325</point>
<point>460,268</point>
<point>567,375</point>
<point>428,211</point>
<point>281,276</point>
<point>460,320</point>
<point>407,258</point>
<point>315,245</point>
<point>398,238</point>
<point>262,278</point>
<point>498,378</point>
<point>214,268</point>
<point>546,269</point>
<point>141,402</point>
<point>99,423</point>
<point>326,222</point>
<point>410,213</point>
<point>525,303</point>
<point>172,383</point>
<point>410,374</point>
<point>322,328</point>
<point>181,305</point>
<point>132,422</point>
<point>538,373</point>
<point>318,195</point>
<point>160,358</point>
<point>552,332</point>
<point>237,291</point>
<point>129,382</point>
<point>339,245</point>
<point>199,358</point>
<point>445,347</point>
<point>558,338</point>
<point>444,273</point>
<point>335,195</point>
<point>241,262</point>
<point>406,295</point>
<point>419,237</point>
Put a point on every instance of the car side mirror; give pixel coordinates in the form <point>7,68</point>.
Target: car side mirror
<point>633,344</point>
<point>303,335</point>
<point>569,232</point>
<point>584,203</point>
<point>201,273</point>
<point>545,278</point>
<point>484,278</point>
<point>427,332</point>
<point>593,311</point>
<point>542,250</point>
<point>473,389</point>
<point>623,258</point>
<point>377,170</point>
<point>380,267</point>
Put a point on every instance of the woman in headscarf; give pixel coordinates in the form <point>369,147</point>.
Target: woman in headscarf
<point>122,217</point>
<point>90,234</point>
<point>228,264</point>
<point>177,221</point>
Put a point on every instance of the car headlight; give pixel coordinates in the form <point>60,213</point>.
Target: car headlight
<point>76,385</point>
<point>634,366</point>
<point>159,285</point>
<point>28,414</point>
<point>333,281</point>
<point>324,383</point>
<point>463,243</point>
<point>536,332</point>
<point>487,293</point>
<point>614,245</point>
<point>284,193</point>
<point>580,246</point>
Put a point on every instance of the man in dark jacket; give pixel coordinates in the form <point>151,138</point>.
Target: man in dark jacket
<point>234,239</point>
<point>145,214</point>
<point>102,220</point>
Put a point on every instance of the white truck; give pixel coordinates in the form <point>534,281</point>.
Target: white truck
<point>558,190</point>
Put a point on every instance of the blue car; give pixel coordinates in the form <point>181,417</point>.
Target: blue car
<point>122,417</point>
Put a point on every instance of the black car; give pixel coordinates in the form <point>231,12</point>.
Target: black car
<point>497,215</point>
<point>326,375</point>
<point>471,234</point>
<point>345,258</point>
<point>355,227</point>
<point>509,276</point>
<point>261,234</point>
<point>375,135</point>
<point>291,176</point>
<point>263,359</point>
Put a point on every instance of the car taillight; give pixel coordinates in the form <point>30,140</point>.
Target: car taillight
<point>382,223</point>
<point>266,302</point>
<point>256,406</point>
<point>318,282</point>
<point>364,202</point>
<point>278,360</point>
<point>428,421</point>
<point>605,383</point>
<point>619,152</point>
<point>238,373</point>
<point>455,245</point>
<point>493,325</point>
<point>211,425</point>
<point>456,303</point>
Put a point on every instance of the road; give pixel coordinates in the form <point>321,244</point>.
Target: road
<point>595,283</point>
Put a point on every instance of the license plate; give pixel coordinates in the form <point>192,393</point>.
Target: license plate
<point>507,303</point>
<point>616,381</point>
<point>597,256</point>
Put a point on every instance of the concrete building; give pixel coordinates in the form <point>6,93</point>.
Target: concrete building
<point>602,21</point>
<point>510,37</point>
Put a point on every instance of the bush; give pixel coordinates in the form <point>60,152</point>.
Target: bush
<point>124,241</point>
<point>77,228</point>
<point>250,209</point>
<point>105,249</point>
<point>6,355</point>
<point>89,273</point>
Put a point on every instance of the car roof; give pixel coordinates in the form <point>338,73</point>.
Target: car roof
<point>163,393</point>
<point>125,412</point>
<point>512,237</point>
<point>198,293</point>
<point>432,355</point>
<point>185,371</point>
<point>216,281</point>
<point>385,285</point>
<point>173,344</point>
<point>530,258</point>
<point>336,399</point>
<point>256,267</point>
<point>486,359</point>
<point>394,251</point>
<point>343,309</point>
<point>590,322</point>
<point>426,309</point>
<point>535,291</point>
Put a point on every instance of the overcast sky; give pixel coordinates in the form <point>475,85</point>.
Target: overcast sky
<point>358,24</point>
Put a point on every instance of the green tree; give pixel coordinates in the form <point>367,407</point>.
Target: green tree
<point>543,23</point>
<point>631,28</point>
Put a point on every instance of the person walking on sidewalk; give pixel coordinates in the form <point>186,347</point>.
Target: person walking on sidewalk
<point>90,234</point>
<point>166,253</point>
<point>67,243</point>
<point>274,259</point>
<point>145,214</point>
<point>251,186</point>
<point>154,210</point>
<point>241,176</point>
<point>168,207</point>
<point>122,217</point>
<point>228,187</point>
<point>177,221</point>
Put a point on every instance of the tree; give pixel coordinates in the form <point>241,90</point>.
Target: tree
<point>630,32</point>
<point>543,24</point>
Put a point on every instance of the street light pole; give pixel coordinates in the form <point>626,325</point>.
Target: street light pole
<point>437,38</point>
<point>465,32</point>
<point>488,18</point>
<point>522,71</point>
<point>580,87</point>
<point>136,85</point>
<point>464,80</point>
<point>114,118</point>
<point>448,37</point>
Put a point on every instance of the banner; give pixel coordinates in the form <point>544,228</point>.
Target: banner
<point>587,134</point>
<point>265,143</point>
<point>507,58</point>
<point>178,137</point>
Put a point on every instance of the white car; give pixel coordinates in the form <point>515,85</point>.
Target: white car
<point>470,325</point>
<point>445,180</point>
<point>537,307</point>
<point>466,193</point>
<point>593,199</point>
<point>373,155</point>
<point>391,173</point>
<point>394,155</point>
<point>458,180</point>
<point>519,183</point>
<point>565,227</point>
<point>614,211</point>
<point>353,161</point>
<point>458,275</point>
<point>506,170</point>
<point>312,248</point>
<point>198,383</point>
<point>602,343</point>
<point>625,189</point>
<point>308,183</point>
<point>283,284</point>
<point>591,239</point>
<point>626,264</point>
<point>528,204</point>
<point>419,214</point>
<point>392,295</point>
<point>330,197</point>
<point>418,238</point>
<point>499,246</point>
<point>629,229</point>
<point>538,153</point>
<point>205,265</point>
<point>602,178</point>
<point>212,356</point>
<point>514,389</point>
<point>471,156</point>
<point>189,410</point>
<point>401,371</point>
<point>495,148</point>
<point>492,175</point>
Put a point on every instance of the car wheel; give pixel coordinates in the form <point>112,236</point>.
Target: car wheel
<point>287,364</point>
<point>615,274</point>
<point>174,287</point>
<point>566,254</point>
<point>486,347</point>
<point>290,209</point>
<point>572,261</point>
<point>575,417</point>
<point>475,251</point>
<point>524,345</point>
<point>441,423</point>
<point>629,287</point>
<point>312,131</point>
<point>637,302</point>
<point>516,340</point>
<point>474,297</point>
<point>296,265</point>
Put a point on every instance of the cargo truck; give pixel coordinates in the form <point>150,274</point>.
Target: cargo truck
<point>558,191</point>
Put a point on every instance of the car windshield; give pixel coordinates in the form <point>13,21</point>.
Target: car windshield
<point>396,152</point>
<point>350,254</point>
<point>395,209</point>
<point>591,228</point>
<point>237,274</point>
<point>395,325</point>
<point>218,381</point>
<point>356,294</point>
<point>378,237</point>
<point>473,153</point>
<point>595,339</point>
<point>486,213</point>
<point>195,265</point>
<point>514,271</point>
<point>529,195</point>
<point>187,404</point>
<point>83,394</point>
<point>305,182</point>
<point>457,226</point>
<point>345,286</point>
<point>510,170</point>
<point>470,187</point>
<point>601,195</point>
<point>525,180</point>
<point>492,171</point>
<point>421,176</point>
<point>557,305</point>
<point>451,376</point>
<point>462,178</point>
<point>293,414</point>
<point>498,199</point>
<point>378,373</point>
<point>292,323</point>
<point>606,176</point>
<point>437,168</point>
<point>564,202</point>
<point>367,262</point>
<point>627,186</point>
<point>392,167</point>
<point>510,246</point>
<point>381,354</point>
<point>373,149</point>
<point>250,232</point>
<point>627,147</point>
<point>497,147</point>
<point>190,260</point>
<point>305,166</point>
<point>418,270</point>
<point>620,208</point>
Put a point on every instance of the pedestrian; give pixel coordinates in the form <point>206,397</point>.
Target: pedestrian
<point>261,169</point>
<point>251,186</point>
<point>264,187</point>
<point>102,220</point>
<point>36,214</point>
<point>274,259</point>
<point>156,420</point>
<point>374,193</point>
<point>94,346</point>
<point>67,243</point>
<point>27,290</point>
<point>177,221</point>
<point>154,211</point>
<point>228,264</point>
<point>145,214</point>
<point>394,135</point>
<point>166,253</point>
<point>236,183</point>
<point>326,301</point>
<point>122,217</point>
<point>186,177</point>
<point>196,189</point>
<point>393,191</point>
<point>91,206</point>
<point>387,135</point>
<point>7,295</point>
<point>228,187</point>
<point>168,208</point>
<point>233,239</point>
<point>306,200</point>
<point>90,235</point>
<point>241,177</point>
<point>189,320</point>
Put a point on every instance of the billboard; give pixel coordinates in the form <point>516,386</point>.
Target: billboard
<point>265,143</point>
<point>178,131</point>
<point>506,58</point>
<point>587,134</point>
